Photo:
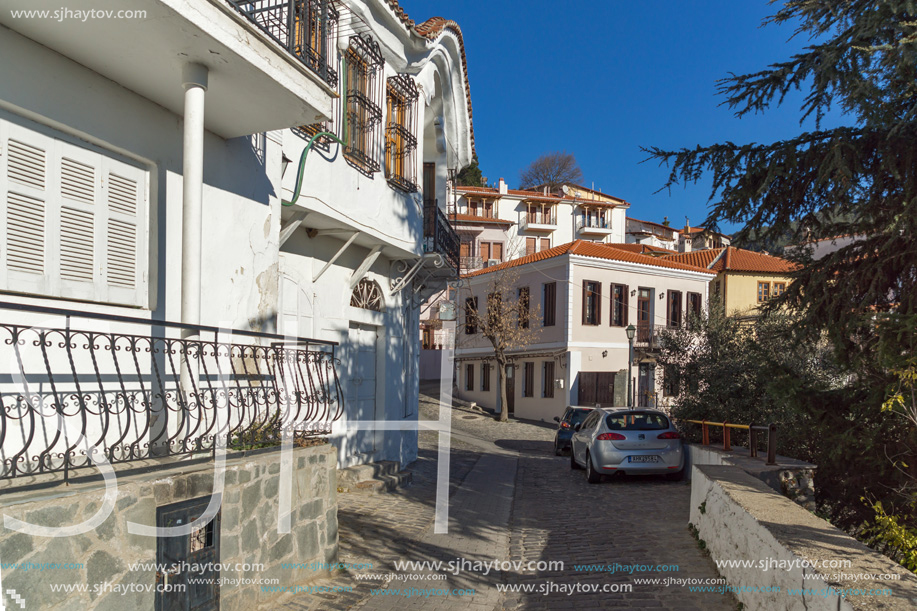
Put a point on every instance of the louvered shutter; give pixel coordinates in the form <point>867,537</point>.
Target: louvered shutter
<point>73,219</point>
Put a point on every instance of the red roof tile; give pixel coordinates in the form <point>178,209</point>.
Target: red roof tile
<point>641,248</point>
<point>589,249</point>
<point>735,260</point>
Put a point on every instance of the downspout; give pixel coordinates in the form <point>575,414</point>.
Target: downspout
<point>300,171</point>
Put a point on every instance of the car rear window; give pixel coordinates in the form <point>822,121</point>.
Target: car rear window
<point>636,421</point>
<point>575,417</point>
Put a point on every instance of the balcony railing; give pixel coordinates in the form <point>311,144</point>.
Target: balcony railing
<point>648,336</point>
<point>538,220</point>
<point>469,264</point>
<point>438,235</point>
<point>80,389</point>
<point>305,28</point>
<point>587,224</point>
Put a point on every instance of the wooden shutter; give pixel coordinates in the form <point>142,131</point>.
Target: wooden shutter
<point>74,218</point>
<point>545,243</point>
<point>529,387</point>
<point>548,379</point>
<point>550,296</point>
<point>585,299</point>
<point>626,322</point>
<point>485,251</point>
<point>530,245</point>
<point>598,303</point>
<point>497,253</point>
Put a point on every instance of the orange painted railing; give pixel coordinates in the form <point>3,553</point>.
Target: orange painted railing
<point>753,431</point>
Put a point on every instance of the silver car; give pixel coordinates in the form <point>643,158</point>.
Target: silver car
<point>630,441</point>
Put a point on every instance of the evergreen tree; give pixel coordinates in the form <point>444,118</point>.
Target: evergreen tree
<point>470,175</point>
<point>858,179</point>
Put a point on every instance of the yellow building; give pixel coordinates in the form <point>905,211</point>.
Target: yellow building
<point>744,279</point>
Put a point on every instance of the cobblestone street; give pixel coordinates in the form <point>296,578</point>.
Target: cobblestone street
<point>511,499</point>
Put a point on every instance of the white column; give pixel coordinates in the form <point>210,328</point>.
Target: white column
<point>194,80</point>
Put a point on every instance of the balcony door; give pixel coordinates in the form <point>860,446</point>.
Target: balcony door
<point>429,182</point>
<point>644,308</point>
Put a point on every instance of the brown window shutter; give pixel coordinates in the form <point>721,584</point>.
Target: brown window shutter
<point>626,308</point>
<point>598,303</point>
<point>585,295</point>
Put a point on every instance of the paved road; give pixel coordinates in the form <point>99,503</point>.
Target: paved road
<point>512,500</point>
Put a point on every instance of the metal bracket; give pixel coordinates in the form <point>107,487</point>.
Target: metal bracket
<point>337,254</point>
<point>365,265</point>
<point>400,283</point>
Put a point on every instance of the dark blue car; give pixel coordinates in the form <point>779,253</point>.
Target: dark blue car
<point>572,416</point>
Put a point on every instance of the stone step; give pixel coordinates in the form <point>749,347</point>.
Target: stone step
<point>368,471</point>
<point>382,482</point>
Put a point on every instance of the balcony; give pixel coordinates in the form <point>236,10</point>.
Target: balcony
<point>593,226</point>
<point>538,221</point>
<point>439,237</point>
<point>257,50</point>
<point>647,338</point>
<point>87,389</point>
<point>470,264</point>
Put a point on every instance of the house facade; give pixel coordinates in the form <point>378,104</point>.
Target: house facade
<point>586,294</point>
<point>745,280</point>
<point>273,172</point>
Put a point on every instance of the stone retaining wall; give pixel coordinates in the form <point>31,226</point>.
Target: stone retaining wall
<point>740,518</point>
<point>248,527</point>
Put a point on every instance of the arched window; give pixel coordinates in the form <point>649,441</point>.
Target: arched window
<point>367,295</point>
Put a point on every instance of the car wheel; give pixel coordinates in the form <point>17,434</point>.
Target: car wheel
<point>557,450</point>
<point>677,476</point>
<point>592,476</point>
<point>573,463</point>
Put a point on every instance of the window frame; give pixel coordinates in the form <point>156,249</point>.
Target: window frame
<point>485,377</point>
<point>596,315</point>
<point>674,316</point>
<point>528,379</point>
<point>469,376</point>
<point>550,306</point>
<point>401,97</point>
<point>362,100</point>
<point>547,381</point>
<point>619,307</point>
<point>764,295</point>
<point>774,285</point>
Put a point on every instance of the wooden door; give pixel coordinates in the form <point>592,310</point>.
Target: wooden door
<point>176,554</point>
<point>644,328</point>
<point>596,387</point>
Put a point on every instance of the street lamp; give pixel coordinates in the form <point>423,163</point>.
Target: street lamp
<point>631,331</point>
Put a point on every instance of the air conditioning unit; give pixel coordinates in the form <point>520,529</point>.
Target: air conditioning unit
<point>493,262</point>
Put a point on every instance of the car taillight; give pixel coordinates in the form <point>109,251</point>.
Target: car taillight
<point>611,437</point>
<point>564,425</point>
<point>669,435</point>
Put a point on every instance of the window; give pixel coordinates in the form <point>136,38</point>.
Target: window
<point>367,295</point>
<point>636,421</point>
<point>469,376</point>
<point>485,377</point>
<point>547,376</point>
<point>524,307</point>
<point>592,302</point>
<point>779,289</point>
<point>362,102</point>
<point>716,287</point>
<point>400,133</point>
<point>488,210</point>
<point>618,305</point>
<point>764,291</point>
<point>549,305</point>
<point>492,250</point>
<point>670,381</point>
<point>531,244</point>
<point>674,310</point>
<point>74,218</point>
<point>528,383</point>
<point>540,214</point>
<point>695,306</point>
<point>471,316</point>
<point>545,243</point>
<point>427,338</point>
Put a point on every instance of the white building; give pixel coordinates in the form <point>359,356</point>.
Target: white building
<point>143,174</point>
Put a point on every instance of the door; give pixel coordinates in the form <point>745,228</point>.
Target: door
<point>360,388</point>
<point>510,390</point>
<point>596,387</point>
<point>200,548</point>
<point>644,303</point>
<point>646,385</point>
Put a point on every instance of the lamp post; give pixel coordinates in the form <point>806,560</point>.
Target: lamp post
<point>631,331</point>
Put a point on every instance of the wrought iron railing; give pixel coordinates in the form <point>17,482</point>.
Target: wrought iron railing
<point>648,336</point>
<point>305,28</point>
<point>469,264</point>
<point>122,389</point>
<point>438,235</point>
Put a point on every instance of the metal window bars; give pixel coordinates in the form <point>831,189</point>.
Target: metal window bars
<point>130,389</point>
<point>363,62</point>
<point>439,236</point>
<point>400,133</point>
<point>305,28</point>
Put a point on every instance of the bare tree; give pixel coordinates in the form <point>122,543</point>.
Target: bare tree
<point>506,319</point>
<point>551,169</point>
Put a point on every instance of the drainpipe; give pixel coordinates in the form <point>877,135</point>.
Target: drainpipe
<point>194,80</point>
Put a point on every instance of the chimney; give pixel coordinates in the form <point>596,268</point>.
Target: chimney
<point>545,189</point>
<point>685,243</point>
<point>502,187</point>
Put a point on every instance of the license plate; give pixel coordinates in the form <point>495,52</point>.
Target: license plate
<point>643,459</point>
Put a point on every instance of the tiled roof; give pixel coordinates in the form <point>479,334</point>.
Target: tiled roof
<point>660,225</point>
<point>589,249</point>
<point>471,218</point>
<point>734,260</point>
<point>641,248</point>
<point>621,201</point>
<point>470,189</point>
<point>431,29</point>
<point>534,195</point>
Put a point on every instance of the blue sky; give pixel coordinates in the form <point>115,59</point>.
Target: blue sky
<point>602,78</point>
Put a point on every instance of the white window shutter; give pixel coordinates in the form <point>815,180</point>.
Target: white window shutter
<point>73,219</point>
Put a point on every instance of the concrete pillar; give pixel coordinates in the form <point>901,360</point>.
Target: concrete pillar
<point>194,80</point>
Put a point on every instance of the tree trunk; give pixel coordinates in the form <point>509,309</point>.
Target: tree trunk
<point>501,377</point>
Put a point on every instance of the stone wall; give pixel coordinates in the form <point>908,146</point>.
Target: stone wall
<point>740,518</point>
<point>248,527</point>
